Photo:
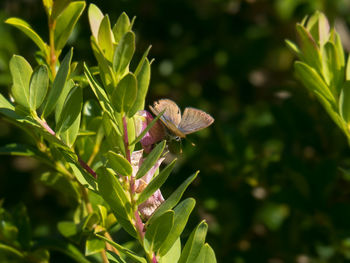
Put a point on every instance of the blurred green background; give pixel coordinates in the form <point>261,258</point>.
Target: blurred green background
<point>270,185</point>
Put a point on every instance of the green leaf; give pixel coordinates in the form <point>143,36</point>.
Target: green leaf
<point>27,29</point>
<point>194,243</point>
<point>5,104</point>
<point>105,68</point>
<point>173,254</point>
<point>124,95</point>
<point>100,94</point>
<point>18,150</point>
<point>173,199</point>
<point>58,84</point>
<point>149,126</point>
<point>94,245</point>
<point>293,47</point>
<point>66,21</point>
<point>143,79</point>
<point>114,195</point>
<point>105,38</point>
<point>123,54</point>
<point>63,247</point>
<point>344,102</point>
<point>151,159</point>
<point>206,255</point>
<point>119,164</point>
<point>11,251</point>
<point>156,183</point>
<point>71,109</point>
<point>182,213</point>
<point>39,84</point>
<point>70,135</point>
<point>334,69</point>
<point>21,72</point>
<point>95,18</point>
<point>62,98</point>
<point>58,6</point>
<point>158,231</point>
<point>121,27</point>
<point>347,71</point>
<point>142,61</point>
<point>114,258</point>
<point>67,228</point>
<point>124,250</point>
<point>83,177</point>
<point>310,50</point>
<point>312,80</point>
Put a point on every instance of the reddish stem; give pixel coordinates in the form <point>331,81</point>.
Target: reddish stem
<point>87,168</point>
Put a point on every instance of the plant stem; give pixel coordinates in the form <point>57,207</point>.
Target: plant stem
<point>52,56</point>
<point>138,222</point>
<point>87,168</point>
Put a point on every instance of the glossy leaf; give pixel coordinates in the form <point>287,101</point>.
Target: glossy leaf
<point>58,6</point>
<point>70,135</point>
<point>173,199</point>
<point>182,213</point>
<point>99,93</point>
<point>312,80</point>
<point>39,84</point>
<point>143,79</point>
<point>158,231</point>
<point>121,27</point>
<point>62,98</point>
<point>71,109</point>
<point>27,29</point>
<point>173,255</point>
<point>113,193</point>
<point>105,68</point>
<point>309,48</point>
<point>58,84</point>
<point>83,177</point>
<point>114,258</point>
<point>206,255</point>
<point>21,72</point>
<point>124,250</point>
<point>95,18</point>
<point>344,102</point>
<point>194,243</point>
<point>66,21</point>
<point>119,164</point>
<point>124,95</point>
<point>105,38</point>
<point>156,183</point>
<point>123,54</point>
<point>67,228</point>
<point>334,68</point>
<point>151,159</point>
<point>94,245</point>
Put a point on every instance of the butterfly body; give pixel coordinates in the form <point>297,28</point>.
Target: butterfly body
<point>190,121</point>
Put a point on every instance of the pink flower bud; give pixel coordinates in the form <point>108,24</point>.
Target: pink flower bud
<point>155,134</point>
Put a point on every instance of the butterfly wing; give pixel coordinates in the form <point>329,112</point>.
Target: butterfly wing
<point>171,117</point>
<point>194,120</point>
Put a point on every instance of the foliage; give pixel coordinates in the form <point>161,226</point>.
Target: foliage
<point>95,150</point>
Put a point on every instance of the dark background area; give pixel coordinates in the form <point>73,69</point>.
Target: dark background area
<point>270,186</point>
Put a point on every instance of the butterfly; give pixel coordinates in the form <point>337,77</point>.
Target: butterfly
<point>192,119</point>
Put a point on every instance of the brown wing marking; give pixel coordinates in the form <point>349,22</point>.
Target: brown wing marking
<point>172,112</point>
<point>194,120</point>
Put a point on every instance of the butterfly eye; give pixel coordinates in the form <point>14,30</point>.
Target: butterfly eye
<point>177,138</point>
